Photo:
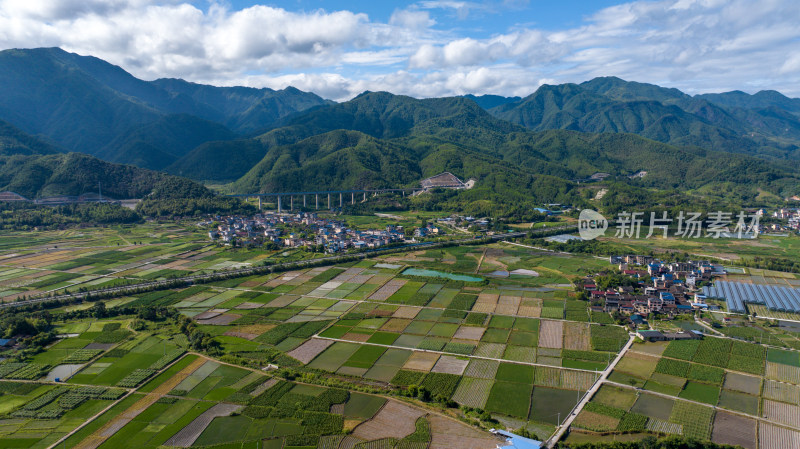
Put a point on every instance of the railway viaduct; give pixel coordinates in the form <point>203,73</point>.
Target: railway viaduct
<point>330,194</point>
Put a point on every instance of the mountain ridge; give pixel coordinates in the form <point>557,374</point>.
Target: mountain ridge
<point>519,149</point>
<point>442,135</point>
<point>85,104</point>
<point>667,115</point>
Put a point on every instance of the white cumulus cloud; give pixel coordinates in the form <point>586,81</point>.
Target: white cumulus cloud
<point>694,45</point>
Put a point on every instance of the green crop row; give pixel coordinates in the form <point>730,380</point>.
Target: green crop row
<point>713,351</point>
<point>681,349</point>
<point>603,409</point>
<point>166,359</point>
<point>632,422</point>
<point>135,378</point>
<point>82,355</point>
<point>673,367</point>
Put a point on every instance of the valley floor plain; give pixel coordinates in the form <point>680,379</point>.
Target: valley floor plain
<point>353,344</point>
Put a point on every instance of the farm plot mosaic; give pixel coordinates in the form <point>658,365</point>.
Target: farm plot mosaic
<point>337,329</point>
<point>715,389</point>
<point>363,354</point>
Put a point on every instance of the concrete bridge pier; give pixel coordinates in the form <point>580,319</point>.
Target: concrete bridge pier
<point>259,203</point>
<point>279,204</point>
<point>365,197</point>
<point>304,201</point>
<point>329,201</point>
<point>316,201</point>
<point>291,202</point>
<point>352,197</point>
<point>340,200</point>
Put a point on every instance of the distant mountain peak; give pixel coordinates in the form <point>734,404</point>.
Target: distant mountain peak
<point>85,104</point>
<point>490,101</point>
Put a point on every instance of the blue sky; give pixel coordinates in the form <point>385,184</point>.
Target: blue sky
<point>478,19</point>
<point>426,48</point>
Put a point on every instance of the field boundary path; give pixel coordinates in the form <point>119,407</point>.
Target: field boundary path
<point>118,422</point>
<point>715,407</point>
<point>706,326</point>
<point>455,354</point>
<point>589,394</point>
<point>603,380</point>
<point>536,248</point>
<point>480,262</point>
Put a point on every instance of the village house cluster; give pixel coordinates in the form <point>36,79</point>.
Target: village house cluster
<point>305,230</point>
<point>465,223</point>
<point>656,287</point>
<point>792,217</point>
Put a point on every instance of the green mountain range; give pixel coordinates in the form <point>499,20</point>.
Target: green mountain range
<point>160,143</point>
<point>87,105</point>
<point>242,109</point>
<point>731,147</point>
<point>37,176</point>
<point>605,105</point>
<point>377,114</point>
<point>452,134</point>
<point>35,169</point>
<point>381,115</point>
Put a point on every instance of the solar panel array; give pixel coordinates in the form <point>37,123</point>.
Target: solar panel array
<point>737,294</point>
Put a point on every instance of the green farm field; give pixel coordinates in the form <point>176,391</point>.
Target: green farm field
<point>342,342</point>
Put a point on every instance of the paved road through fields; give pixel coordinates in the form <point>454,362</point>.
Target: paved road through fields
<point>589,394</point>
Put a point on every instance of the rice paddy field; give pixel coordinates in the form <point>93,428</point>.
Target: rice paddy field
<point>54,392</point>
<point>45,262</point>
<point>248,408</point>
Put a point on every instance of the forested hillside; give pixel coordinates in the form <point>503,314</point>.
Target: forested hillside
<point>85,104</point>
<point>36,176</point>
<point>730,147</point>
<point>35,169</point>
<point>764,125</point>
<point>14,141</point>
<point>403,140</point>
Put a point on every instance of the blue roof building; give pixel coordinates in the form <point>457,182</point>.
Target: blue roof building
<point>518,442</point>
